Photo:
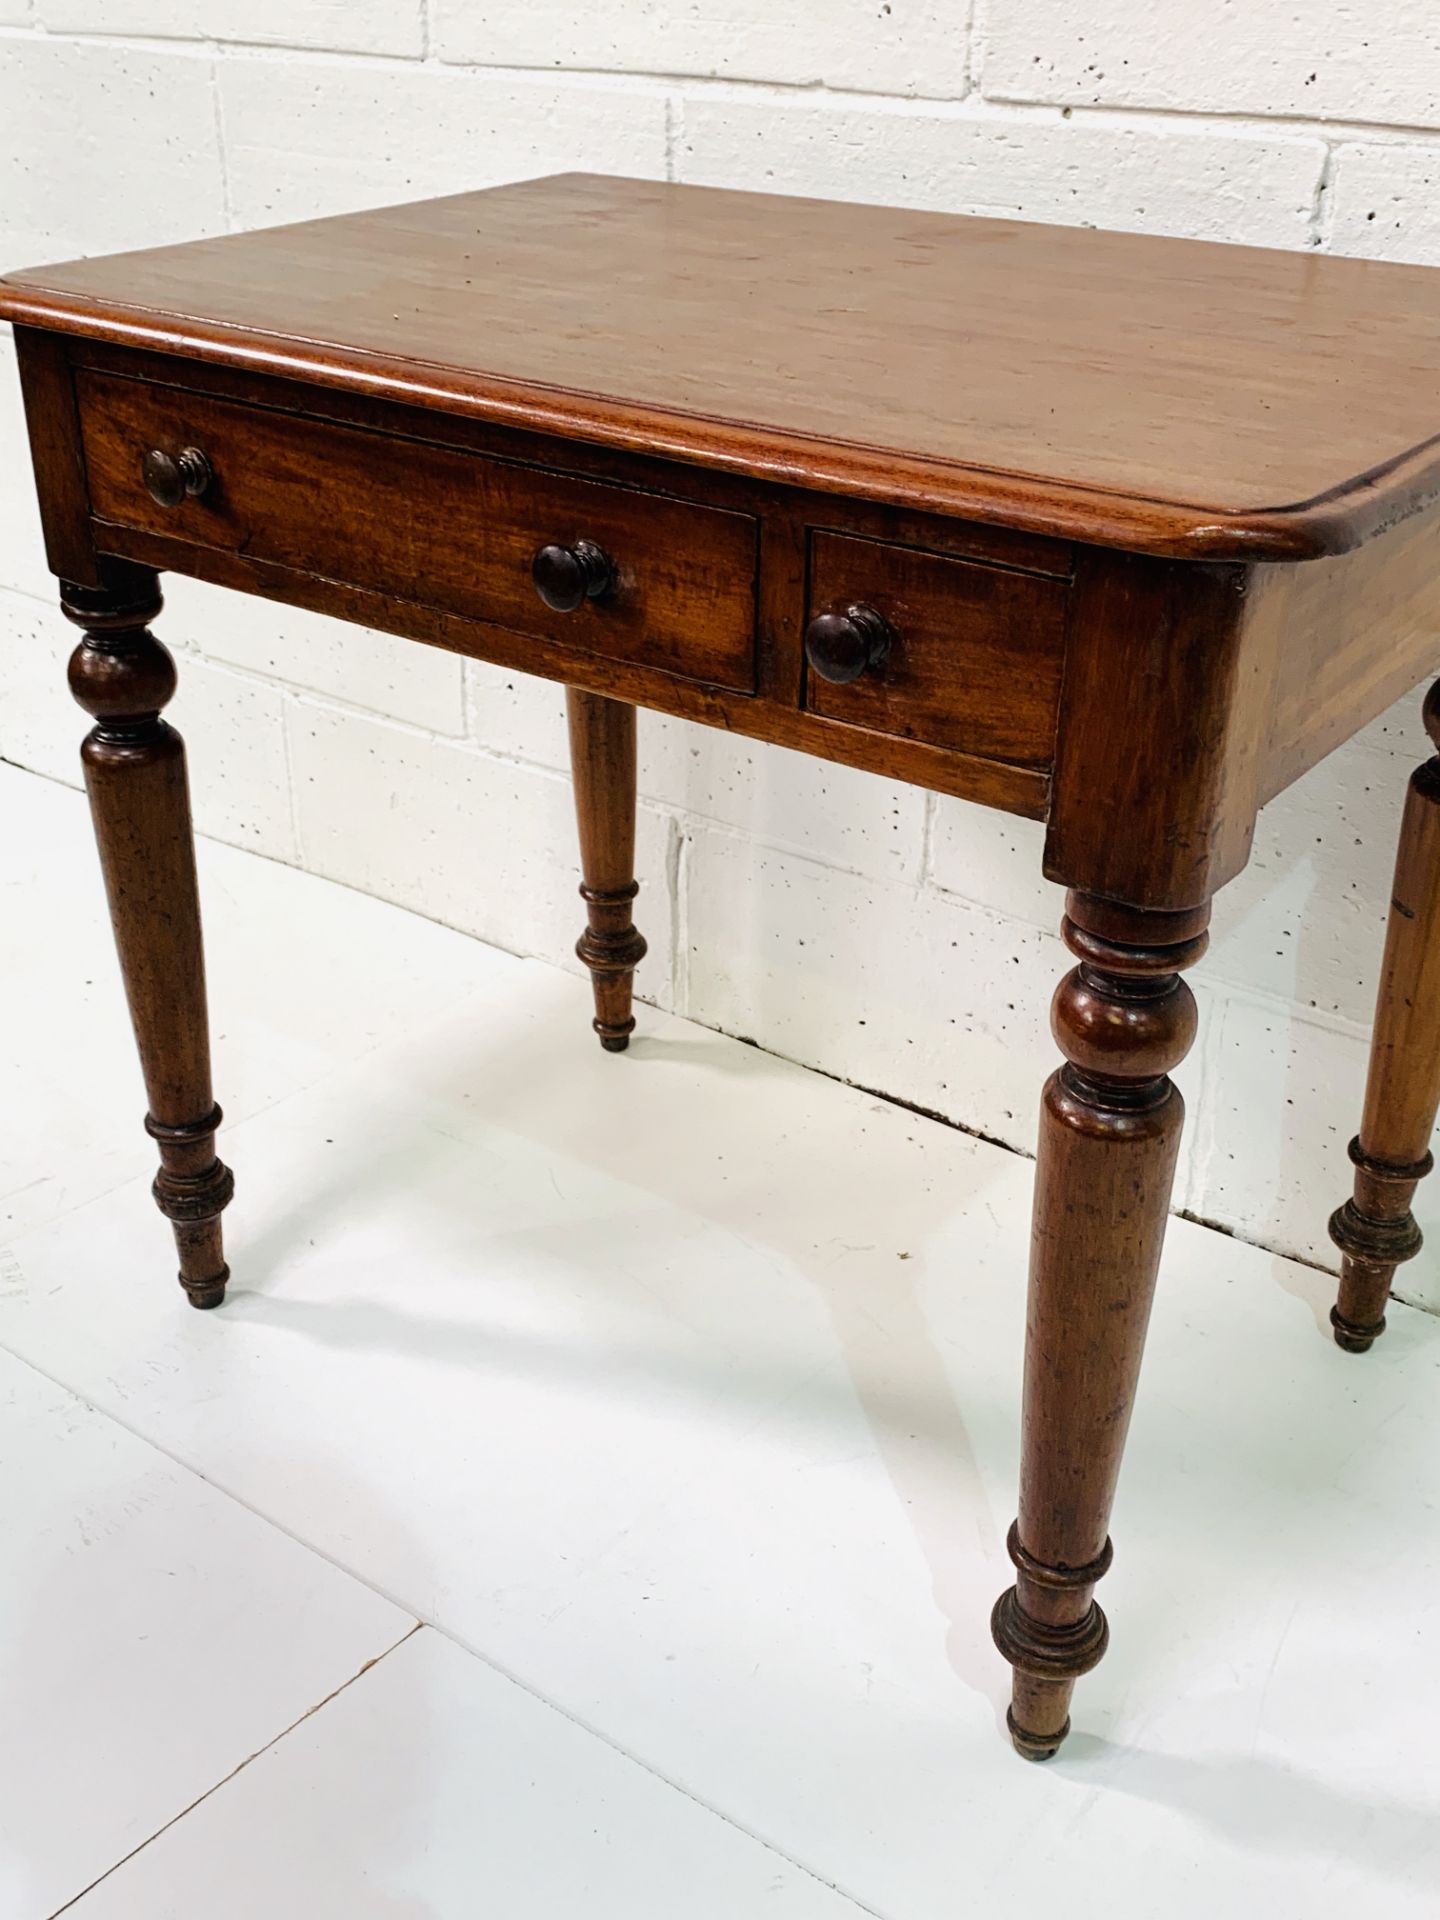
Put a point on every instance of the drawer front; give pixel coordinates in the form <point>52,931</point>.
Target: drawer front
<point>435,525</point>
<point>974,655</point>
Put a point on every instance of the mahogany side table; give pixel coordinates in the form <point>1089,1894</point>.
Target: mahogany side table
<point>1120,534</point>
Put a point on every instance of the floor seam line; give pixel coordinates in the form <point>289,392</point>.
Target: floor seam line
<point>474,1653</point>
<point>624,1753</point>
<point>225,1780</point>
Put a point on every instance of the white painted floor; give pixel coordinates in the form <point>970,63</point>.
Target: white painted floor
<point>676,1394</point>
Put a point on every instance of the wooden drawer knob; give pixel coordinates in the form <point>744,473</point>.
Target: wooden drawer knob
<point>170,479</point>
<point>841,646</point>
<point>566,577</point>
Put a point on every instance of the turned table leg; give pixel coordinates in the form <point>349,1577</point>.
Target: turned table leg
<point>139,801</point>
<point>1109,1133</point>
<point>602,760</point>
<point>1375,1230</point>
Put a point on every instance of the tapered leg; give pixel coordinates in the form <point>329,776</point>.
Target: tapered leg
<point>602,760</point>
<point>1109,1133</point>
<point>139,801</point>
<point>1376,1230</point>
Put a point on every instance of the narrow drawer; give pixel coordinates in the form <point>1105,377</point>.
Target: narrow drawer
<point>434,524</point>
<point>974,651</point>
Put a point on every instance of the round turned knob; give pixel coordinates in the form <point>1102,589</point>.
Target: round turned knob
<point>170,479</point>
<point>566,577</point>
<point>841,646</point>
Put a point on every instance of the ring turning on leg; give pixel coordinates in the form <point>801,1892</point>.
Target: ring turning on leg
<point>1046,1657</point>
<point>602,760</point>
<point>611,947</point>
<point>1109,1134</point>
<point>139,801</point>
<point>1375,1229</point>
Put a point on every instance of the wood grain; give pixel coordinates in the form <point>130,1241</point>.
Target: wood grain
<point>1049,482</point>
<point>1359,632</point>
<point>991,783</point>
<point>1375,1230</point>
<point>602,765</point>
<point>431,523</point>
<point>1109,1135</point>
<point>140,802</point>
<point>975,660</point>
<point>1161,395</point>
<point>1169,690</point>
<point>52,424</point>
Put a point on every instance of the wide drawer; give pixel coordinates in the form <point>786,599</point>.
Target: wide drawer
<point>434,524</point>
<point>974,655</point>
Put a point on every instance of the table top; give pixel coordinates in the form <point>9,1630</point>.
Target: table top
<point>1167,396</point>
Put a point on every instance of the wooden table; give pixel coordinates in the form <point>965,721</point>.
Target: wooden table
<point>1122,534</point>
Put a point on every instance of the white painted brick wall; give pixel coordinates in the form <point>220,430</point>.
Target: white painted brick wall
<point>305,136</point>
<point>355,26</point>
<point>104,147</point>
<point>1385,201</point>
<point>1348,60</point>
<point>1034,164</point>
<point>904,942</point>
<point>903,47</point>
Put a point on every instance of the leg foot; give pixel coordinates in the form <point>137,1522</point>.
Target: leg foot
<point>192,1189</point>
<point>139,801</point>
<point>1352,1338</point>
<point>1109,1135</point>
<point>1035,1746</point>
<point>602,759</point>
<point>211,1296</point>
<point>1375,1229</point>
